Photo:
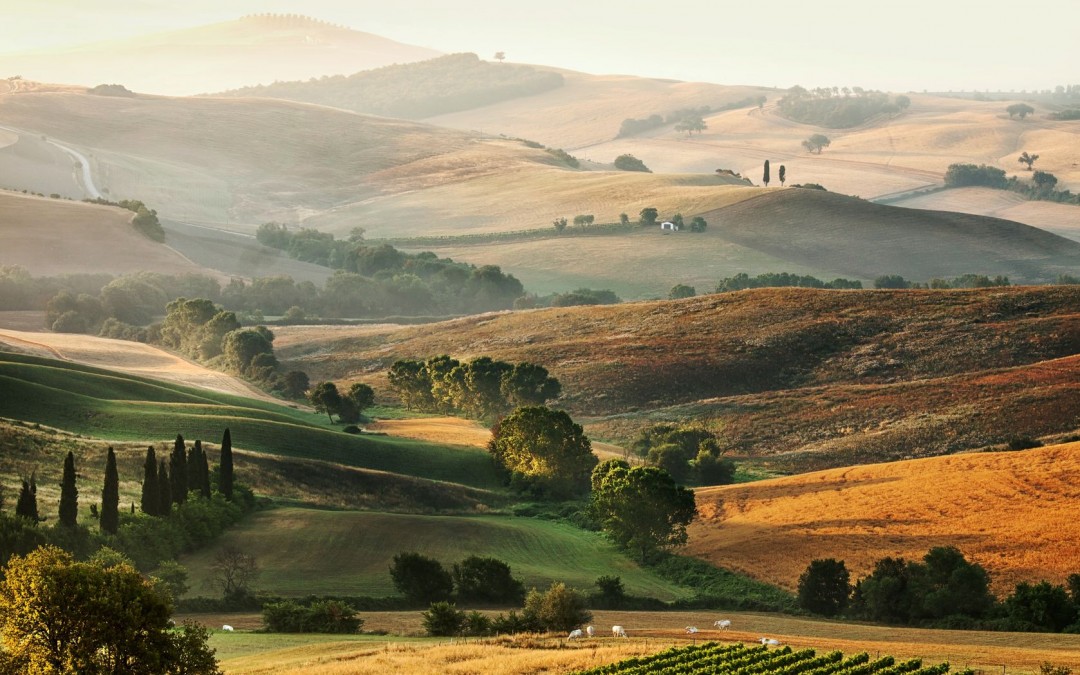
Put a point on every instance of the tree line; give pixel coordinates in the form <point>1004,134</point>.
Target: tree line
<point>482,388</point>
<point>692,116</point>
<point>943,590</point>
<point>838,107</point>
<point>1042,185</point>
<point>145,220</point>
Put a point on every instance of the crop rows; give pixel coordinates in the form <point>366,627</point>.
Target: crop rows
<point>737,659</point>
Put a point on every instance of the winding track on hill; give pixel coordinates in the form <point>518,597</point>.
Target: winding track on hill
<point>84,177</point>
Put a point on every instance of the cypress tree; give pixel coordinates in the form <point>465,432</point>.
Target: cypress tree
<point>178,472</point>
<point>225,473</point>
<point>164,489</point>
<point>202,469</point>
<point>765,177</point>
<point>151,499</point>
<point>110,496</point>
<point>69,494</point>
<point>27,504</point>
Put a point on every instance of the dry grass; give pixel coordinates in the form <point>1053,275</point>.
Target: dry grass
<point>51,237</point>
<point>1012,512</point>
<point>125,356</point>
<point>1061,219</point>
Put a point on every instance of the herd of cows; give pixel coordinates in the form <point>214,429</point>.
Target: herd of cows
<point>619,631</point>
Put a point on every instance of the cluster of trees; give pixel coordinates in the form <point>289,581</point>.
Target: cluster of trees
<point>944,589</point>
<point>1041,186</point>
<point>317,616</point>
<point>816,142</point>
<point>382,280</point>
<point>58,615</point>
<point>692,116</point>
<point>560,609</point>
<point>475,580</point>
<point>963,281</point>
<point>575,298</point>
<point>742,281</point>
<point>837,107</point>
<point>631,163</point>
<point>1065,115</point>
<point>325,397</point>
<point>1021,110</point>
<point>417,90</point>
<point>111,90</point>
<point>480,389</point>
<point>690,455</point>
<point>145,220</point>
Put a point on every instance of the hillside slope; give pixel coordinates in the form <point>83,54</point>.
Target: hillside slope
<point>814,378</point>
<point>1013,513</point>
<point>254,160</point>
<point>247,51</point>
<point>51,236</point>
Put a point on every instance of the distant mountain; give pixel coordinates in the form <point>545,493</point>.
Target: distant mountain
<point>416,90</point>
<point>252,50</point>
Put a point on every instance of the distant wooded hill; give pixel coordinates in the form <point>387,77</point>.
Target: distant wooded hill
<point>416,90</point>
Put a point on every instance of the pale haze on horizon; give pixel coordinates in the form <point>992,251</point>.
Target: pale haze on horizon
<point>916,45</point>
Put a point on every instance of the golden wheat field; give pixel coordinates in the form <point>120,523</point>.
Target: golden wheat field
<point>1014,513</point>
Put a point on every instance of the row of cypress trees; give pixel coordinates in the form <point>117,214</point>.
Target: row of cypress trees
<point>163,484</point>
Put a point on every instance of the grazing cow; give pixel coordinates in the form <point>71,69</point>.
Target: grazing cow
<point>576,633</point>
<point>691,629</point>
<point>722,624</point>
<point>589,631</point>
<point>227,628</point>
<point>618,631</point>
<point>771,642</point>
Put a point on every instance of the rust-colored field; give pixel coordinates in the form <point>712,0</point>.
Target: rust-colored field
<point>1012,512</point>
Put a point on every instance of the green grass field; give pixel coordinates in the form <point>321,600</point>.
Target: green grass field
<point>114,406</point>
<point>306,551</point>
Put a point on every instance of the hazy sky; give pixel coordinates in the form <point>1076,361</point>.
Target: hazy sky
<point>900,45</point>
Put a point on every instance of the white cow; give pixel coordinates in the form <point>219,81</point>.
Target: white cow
<point>576,633</point>
<point>589,631</point>
<point>618,631</point>
<point>691,629</point>
<point>227,628</point>
<point>722,624</point>
<point>771,642</point>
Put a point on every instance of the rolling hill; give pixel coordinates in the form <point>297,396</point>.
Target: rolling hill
<point>49,237</point>
<point>799,377</point>
<point>247,51</point>
<point>255,160</point>
<point>1010,512</point>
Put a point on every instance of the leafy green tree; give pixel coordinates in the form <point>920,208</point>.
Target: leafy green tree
<point>443,619</point>
<point>409,379</point>
<point>480,392</point>
<point>544,450</point>
<point>62,616</point>
<point>479,579</point>
<point>612,594</point>
<point>528,384</point>
<point>295,384</point>
<point>559,224</point>
<point>1044,181</point>
<point>421,579</point>
<point>782,175</point>
<point>1041,606</point>
<point>945,584</point>
<point>69,494</point>
<point>825,587</point>
<point>325,398</point>
<point>649,216</point>
<point>816,142</point>
<point>110,496</point>
<point>680,291</point>
<point>225,466</point>
<point>173,577</point>
<point>560,608</point>
<point>178,471</point>
<point>698,224</point>
<point>1021,109</point>
<point>362,395</point>
<point>150,500</point>
<point>902,102</point>
<point>641,509</point>
<point>765,174</point>
<point>884,594</point>
<point>691,124</point>
<point>710,468</point>
<point>630,163</point>
<point>1027,159</point>
<point>584,220</point>
<point>891,281</point>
